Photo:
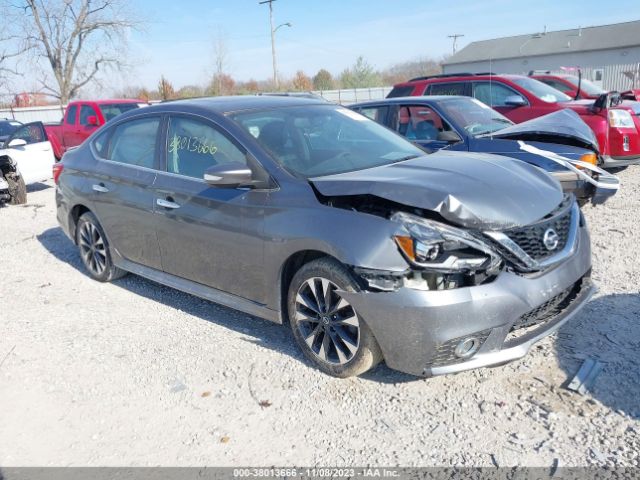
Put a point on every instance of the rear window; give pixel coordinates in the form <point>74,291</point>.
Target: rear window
<point>7,128</point>
<point>112,110</point>
<point>404,91</point>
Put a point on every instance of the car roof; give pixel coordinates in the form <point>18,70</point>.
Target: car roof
<point>224,105</point>
<point>455,78</point>
<point>413,99</point>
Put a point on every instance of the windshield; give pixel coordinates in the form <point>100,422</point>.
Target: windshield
<point>112,110</point>
<point>586,86</point>
<point>541,90</point>
<point>474,116</point>
<point>317,140</point>
<point>7,128</point>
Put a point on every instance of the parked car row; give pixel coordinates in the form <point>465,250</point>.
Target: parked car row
<point>307,213</point>
<point>615,122</point>
<point>560,143</point>
<point>28,152</point>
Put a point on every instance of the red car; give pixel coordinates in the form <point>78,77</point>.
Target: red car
<point>82,118</point>
<point>521,98</point>
<point>568,84</point>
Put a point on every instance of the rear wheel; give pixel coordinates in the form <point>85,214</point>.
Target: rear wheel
<point>94,249</point>
<point>326,327</point>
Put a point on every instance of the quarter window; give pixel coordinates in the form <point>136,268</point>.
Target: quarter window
<point>132,143</point>
<point>193,146</point>
<point>493,94</point>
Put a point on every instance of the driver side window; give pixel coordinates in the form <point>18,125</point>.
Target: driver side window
<point>194,145</point>
<point>493,94</point>
<point>420,123</point>
<point>31,133</point>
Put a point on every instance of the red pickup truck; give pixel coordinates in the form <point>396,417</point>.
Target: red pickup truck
<point>616,123</point>
<point>82,118</point>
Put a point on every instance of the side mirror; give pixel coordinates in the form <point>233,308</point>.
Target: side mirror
<point>229,175</point>
<point>17,142</point>
<point>449,136</point>
<point>92,121</point>
<point>515,101</point>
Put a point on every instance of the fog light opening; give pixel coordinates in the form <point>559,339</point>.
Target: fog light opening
<point>467,347</point>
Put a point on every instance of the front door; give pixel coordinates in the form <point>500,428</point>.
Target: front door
<point>122,181</point>
<point>423,126</point>
<point>208,235</point>
<point>35,159</point>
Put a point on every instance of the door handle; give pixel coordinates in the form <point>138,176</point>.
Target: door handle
<point>166,203</point>
<point>100,188</point>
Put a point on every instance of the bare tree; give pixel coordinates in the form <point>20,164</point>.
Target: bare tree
<point>220,56</point>
<point>77,39</point>
<point>12,45</point>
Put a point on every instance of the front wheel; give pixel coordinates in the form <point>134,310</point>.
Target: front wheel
<point>326,327</point>
<point>94,249</point>
<point>17,188</point>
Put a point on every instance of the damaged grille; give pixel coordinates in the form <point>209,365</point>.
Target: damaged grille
<point>531,237</point>
<point>445,352</point>
<point>545,313</point>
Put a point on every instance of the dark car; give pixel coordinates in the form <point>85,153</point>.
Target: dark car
<point>300,211</point>
<point>615,123</point>
<point>560,143</point>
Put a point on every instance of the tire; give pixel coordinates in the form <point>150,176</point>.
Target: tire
<point>330,333</point>
<point>94,249</point>
<point>17,189</point>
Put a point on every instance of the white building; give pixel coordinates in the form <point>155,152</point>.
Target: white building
<point>607,54</point>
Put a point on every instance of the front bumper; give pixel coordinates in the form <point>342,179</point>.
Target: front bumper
<point>418,330</point>
<point>609,161</point>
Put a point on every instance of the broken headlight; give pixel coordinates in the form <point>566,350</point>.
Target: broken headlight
<point>439,247</point>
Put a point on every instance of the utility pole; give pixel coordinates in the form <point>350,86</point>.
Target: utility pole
<point>273,41</point>
<point>455,38</point>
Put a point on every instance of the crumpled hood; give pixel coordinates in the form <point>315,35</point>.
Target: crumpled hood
<point>473,190</point>
<point>564,126</point>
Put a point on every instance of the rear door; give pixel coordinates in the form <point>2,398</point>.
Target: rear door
<point>209,235</point>
<point>70,127</point>
<point>35,159</point>
<point>127,165</point>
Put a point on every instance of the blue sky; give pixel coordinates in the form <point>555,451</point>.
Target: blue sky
<point>178,37</point>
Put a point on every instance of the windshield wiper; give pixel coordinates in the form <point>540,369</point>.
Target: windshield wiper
<point>408,157</point>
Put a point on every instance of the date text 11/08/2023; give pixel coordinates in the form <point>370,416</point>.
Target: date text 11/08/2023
<point>316,472</point>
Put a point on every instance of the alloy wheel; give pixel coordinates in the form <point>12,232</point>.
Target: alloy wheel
<point>92,248</point>
<point>327,322</point>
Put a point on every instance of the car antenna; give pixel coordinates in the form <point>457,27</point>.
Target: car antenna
<point>579,83</point>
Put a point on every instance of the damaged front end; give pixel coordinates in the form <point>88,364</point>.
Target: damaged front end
<point>12,187</point>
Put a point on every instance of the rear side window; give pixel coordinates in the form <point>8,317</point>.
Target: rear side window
<point>131,143</point>
<point>194,145</point>
<point>455,88</point>
<point>85,112</point>
<point>400,91</point>
<point>72,112</point>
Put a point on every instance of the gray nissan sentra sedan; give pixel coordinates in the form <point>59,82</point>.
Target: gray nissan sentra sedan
<point>299,211</point>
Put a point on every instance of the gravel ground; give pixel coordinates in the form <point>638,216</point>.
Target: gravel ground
<point>133,373</point>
